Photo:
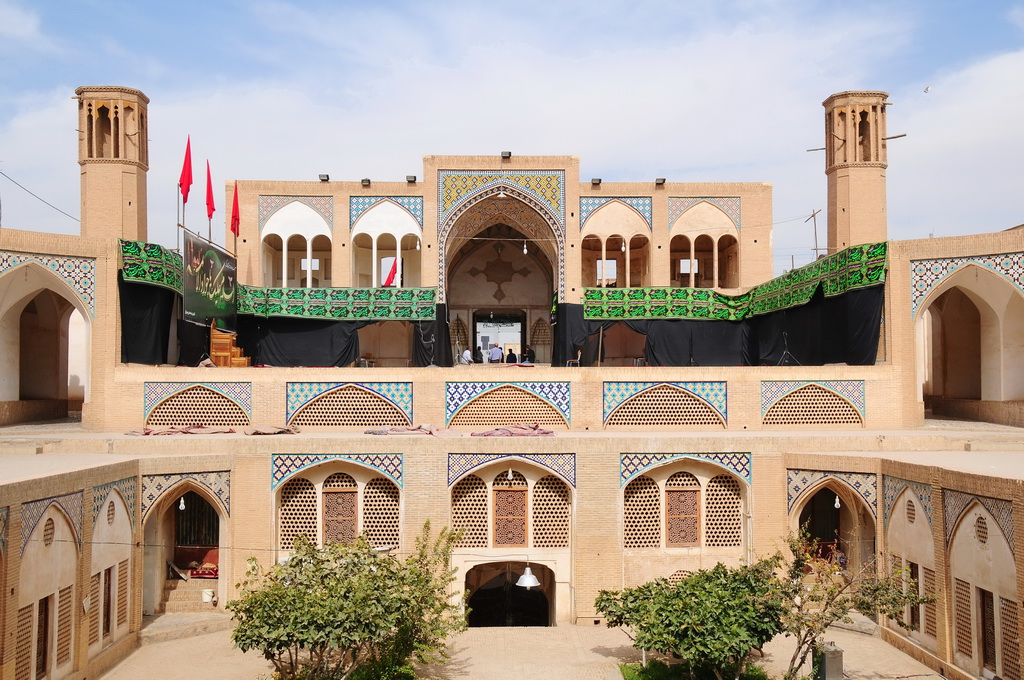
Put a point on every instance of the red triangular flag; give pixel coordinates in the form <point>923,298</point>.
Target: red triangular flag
<point>210,208</point>
<point>391,274</point>
<point>236,218</point>
<point>185,181</point>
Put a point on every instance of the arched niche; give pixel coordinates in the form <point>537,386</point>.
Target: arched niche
<point>386,230</point>
<point>847,532</point>
<point>294,233</point>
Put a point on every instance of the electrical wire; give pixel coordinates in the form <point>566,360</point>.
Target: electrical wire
<point>38,198</point>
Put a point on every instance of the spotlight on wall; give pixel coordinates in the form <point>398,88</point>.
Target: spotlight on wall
<point>596,181</point>
<point>506,154</point>
<point>411,179</point>
<point>365,181</point>
<point>659,181</point>
<point>324,177</point>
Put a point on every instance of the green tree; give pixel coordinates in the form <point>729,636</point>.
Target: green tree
<point>712,619</point>
<point>334,611</point>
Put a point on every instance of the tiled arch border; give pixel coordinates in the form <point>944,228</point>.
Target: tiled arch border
<point>284,466</point>
<point>864,484</point>
<point>300,394</point>
<point>155,393</point>
<point>218,483</point>
<point>714,394</point>
<point>634,464</point>
<point>892,487</point>
<point>678,205</point>
<point>79,273</point>
<point>322,205</point>
<point>458,395</point>
<point>851,391</point>
<point>926,275</point>
<point>642,205</point>
<point>562,464</point>
<point>955,503</point>
<point>357,205</point>
<point>126,487</point>
<point>70,504</point>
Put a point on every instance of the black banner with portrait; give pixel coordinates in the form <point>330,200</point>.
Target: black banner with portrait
<point>208,283</point>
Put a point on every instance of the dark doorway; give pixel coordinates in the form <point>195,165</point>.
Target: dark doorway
<point>820,518</point>
<point>496,600</point>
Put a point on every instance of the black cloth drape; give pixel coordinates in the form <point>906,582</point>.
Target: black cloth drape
<point>145,322</point>
<point>280,341</point>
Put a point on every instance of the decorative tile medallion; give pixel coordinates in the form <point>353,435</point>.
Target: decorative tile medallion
<point>217,483</point>
<point>70,504</point>
<point>79,273</point>
<point>3,530</point>
<point>712,393</point>
<point>926,275</point>
<point>641,204</point>
<point>154,393</point>
<point>730,205</point>
<point>774,390</point>
<point>126,487</point>
<point>956,502</point>
<point>893,486</point>
<point>323,205</point>
<point>357,205</point>
<point>284,465</point>
<point>562,464</point>
<point>864,483</point>
<point>458,394</point>
<point>633,464</point>
<point>301,393</point>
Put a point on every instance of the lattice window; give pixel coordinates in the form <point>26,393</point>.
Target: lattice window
<point>988,630</point>
<point>812,405</point>
<point>723,513</point>
<point>915,586</point>
<point>962,617</point>
<point>197,405</point>
<point>507,404</point>
<point>930,609</point>
<point>510,505</point>
<point>297,512</point>
<point>1009,641</point>
<point>469,511</point>
<point>679,575</point>
<point>665,405</point>
<point>48,530</point>
<point>540,333</point>
<point>349,406</point>
<point>23,645</point>
<point>340,517</point>
<point>682,510</point>
<point>110,512</point>
<point>981,530</point>
<point>95,607</point>
<point>64,613</point>
<point>911,511</point>
<point>380,512</point>
<point>896,563</point>
<point>122,592</point>
<point>642,514</point>
<point>551,513</point>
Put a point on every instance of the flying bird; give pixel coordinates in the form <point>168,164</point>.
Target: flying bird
<point>928,89</point>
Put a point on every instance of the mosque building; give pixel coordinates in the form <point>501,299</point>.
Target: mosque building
<point>701,409</point>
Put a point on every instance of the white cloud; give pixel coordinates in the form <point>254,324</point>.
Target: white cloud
<point>20,29</point>
<point>1016,16</point>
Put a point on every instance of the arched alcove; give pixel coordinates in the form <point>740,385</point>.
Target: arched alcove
<point>494,598</point>
<point>840,521</point>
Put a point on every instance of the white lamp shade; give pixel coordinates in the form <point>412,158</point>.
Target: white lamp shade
<point>528,580</point>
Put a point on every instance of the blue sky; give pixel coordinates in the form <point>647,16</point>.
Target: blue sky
<point>701,90</point>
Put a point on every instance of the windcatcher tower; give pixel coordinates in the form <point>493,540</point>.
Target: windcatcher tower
<point>855,163</point>
<point>113,150</point>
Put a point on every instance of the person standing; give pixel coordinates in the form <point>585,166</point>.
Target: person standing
<point>467,357</point>
<point>529,356</point>
<point>495,353</point>
<point>511,358</point>
<point>478,355</point>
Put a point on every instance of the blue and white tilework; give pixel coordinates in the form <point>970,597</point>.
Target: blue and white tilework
<point>864,483</point>
<point>100,494</point>
<point>301,393</point>
<point>641,204</point>
<point>31,512</point>
<point>730,205</point>
<point>284,465</point>
<point>562,464</point>
<point>357,205</point>
<point>773,390</point>
<point>156,392</point>
<point>79,273</point>
<point>715,394</point>
<point>3,530</point>
<point>894,486</point>
<point>926,275</point>
<point>633,464</point>
<point>458,394</point>
<point>956,502</point>
<point>217,483</point>
<point>323,205</point>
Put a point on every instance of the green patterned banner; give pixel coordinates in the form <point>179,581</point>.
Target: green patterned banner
<point>340,304</point>
<point>149,263</point>
<point>855,267</point>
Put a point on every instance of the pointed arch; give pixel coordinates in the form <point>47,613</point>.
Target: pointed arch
<point>504,404</point>
<point>349,405</point>
<point>664,404</point>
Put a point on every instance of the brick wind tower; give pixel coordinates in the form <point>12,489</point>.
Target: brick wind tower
<point>855,163</point>
<point>113,151</point>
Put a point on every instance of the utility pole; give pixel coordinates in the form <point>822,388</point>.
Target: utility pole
<point>814,216</point>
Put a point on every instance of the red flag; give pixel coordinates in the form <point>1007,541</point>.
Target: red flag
<point>236,218</point>
<point>210,208</point>
<point>391,274</point>
<point>185,181</point>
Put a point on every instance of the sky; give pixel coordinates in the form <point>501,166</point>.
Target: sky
<point>690,90</point>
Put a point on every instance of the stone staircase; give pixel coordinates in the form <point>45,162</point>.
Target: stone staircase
<point>187,596</point>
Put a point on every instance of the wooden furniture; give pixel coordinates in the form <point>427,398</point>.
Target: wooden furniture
<point>223,351</point>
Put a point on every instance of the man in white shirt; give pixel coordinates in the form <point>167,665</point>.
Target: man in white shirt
<point>495,355</point>
<point>467,357</point>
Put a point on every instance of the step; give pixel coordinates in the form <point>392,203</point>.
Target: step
<point>177,607</point>
<point>165,627</point>
<point>191,584</point>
